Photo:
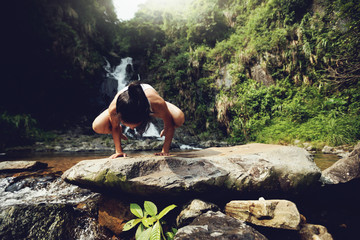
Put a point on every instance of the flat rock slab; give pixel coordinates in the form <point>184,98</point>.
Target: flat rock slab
<point>19,166</point>
<point>245,168</point>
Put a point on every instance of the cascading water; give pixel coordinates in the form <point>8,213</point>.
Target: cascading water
<point>123,74</point>
<point>38,195</point>
<point>40,190</point>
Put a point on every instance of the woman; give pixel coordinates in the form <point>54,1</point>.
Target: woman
<point>133,107</point>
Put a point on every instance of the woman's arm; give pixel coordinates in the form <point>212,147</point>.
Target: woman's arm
<point>160,110</point>
<point>169,129</point>
<point>116,131</point>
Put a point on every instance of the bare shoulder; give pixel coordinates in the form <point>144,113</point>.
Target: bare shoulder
<point>114,116</point>
<point>157,103</point>
<point>153,96</point>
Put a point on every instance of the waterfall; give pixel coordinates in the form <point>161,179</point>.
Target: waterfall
<point>122,74</point>
<point>151,131</point>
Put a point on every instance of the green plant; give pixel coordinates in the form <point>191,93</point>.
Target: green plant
<point>149,219</point>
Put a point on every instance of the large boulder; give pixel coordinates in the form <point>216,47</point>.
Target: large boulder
<point>254,168</point>
<point>55,221</point>
<point>343,170</point>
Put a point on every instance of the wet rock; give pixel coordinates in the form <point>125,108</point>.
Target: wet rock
<point>145,144</point>
<point>311,232</point>
<point>19,166</point>
<point>254,168</point>
<point>193,210</point>
<point>217,226</point>
<point>32,182</point>
<point>327,149</point>
<point>113,214</point>
<point>343,170</point>
<point>55,221</point>
<point>268,213</point>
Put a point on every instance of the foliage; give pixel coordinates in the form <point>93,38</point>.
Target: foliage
<point>149,221</point>
<point>20,129</point>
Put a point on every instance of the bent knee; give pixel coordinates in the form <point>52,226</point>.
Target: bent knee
<point>100,128</point>
<point>96,128</point>
<point>179,120</point>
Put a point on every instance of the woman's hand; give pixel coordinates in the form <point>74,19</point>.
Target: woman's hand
<point>116,155</point>
<point>162,154</point>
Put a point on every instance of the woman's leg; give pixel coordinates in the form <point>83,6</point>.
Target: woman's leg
<point>177,114</point>
<point>102,123</point>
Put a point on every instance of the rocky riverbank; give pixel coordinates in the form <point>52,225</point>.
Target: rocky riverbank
<point>227,184</point>
<point>85,140</point>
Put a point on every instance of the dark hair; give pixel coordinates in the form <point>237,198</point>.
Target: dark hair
<point>134,106</point>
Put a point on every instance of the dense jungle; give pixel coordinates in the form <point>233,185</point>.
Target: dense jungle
<point>269,71</point>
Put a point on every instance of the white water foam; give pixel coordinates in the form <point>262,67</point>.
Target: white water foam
<point>56,191</point>
<point>188,147</point>
<point>151,131</point>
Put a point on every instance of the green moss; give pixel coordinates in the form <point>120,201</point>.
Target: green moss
<point>100,177</point>
<point>111,179</point>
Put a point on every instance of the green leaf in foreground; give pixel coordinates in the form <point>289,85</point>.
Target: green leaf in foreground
<point>136,210</point>
<point>130,224</point>
<point>145,235</point>
<point>156,232</point>
<point>165,211</point>
<point>150,208</point>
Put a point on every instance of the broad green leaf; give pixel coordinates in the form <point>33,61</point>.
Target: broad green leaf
<point>145,235</point>
<point>139,230</point>
<point>148,221</point>
<point>165,211</point>
<point>155,233</point>
<point>130,224</point>
<point>150,208</point>
<point>136,210</point>
<point>169,235</point>
<point>174,230</point>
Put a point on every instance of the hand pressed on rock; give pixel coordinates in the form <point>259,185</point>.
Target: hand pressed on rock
<point>162,154</point>
<point>116,155</point>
